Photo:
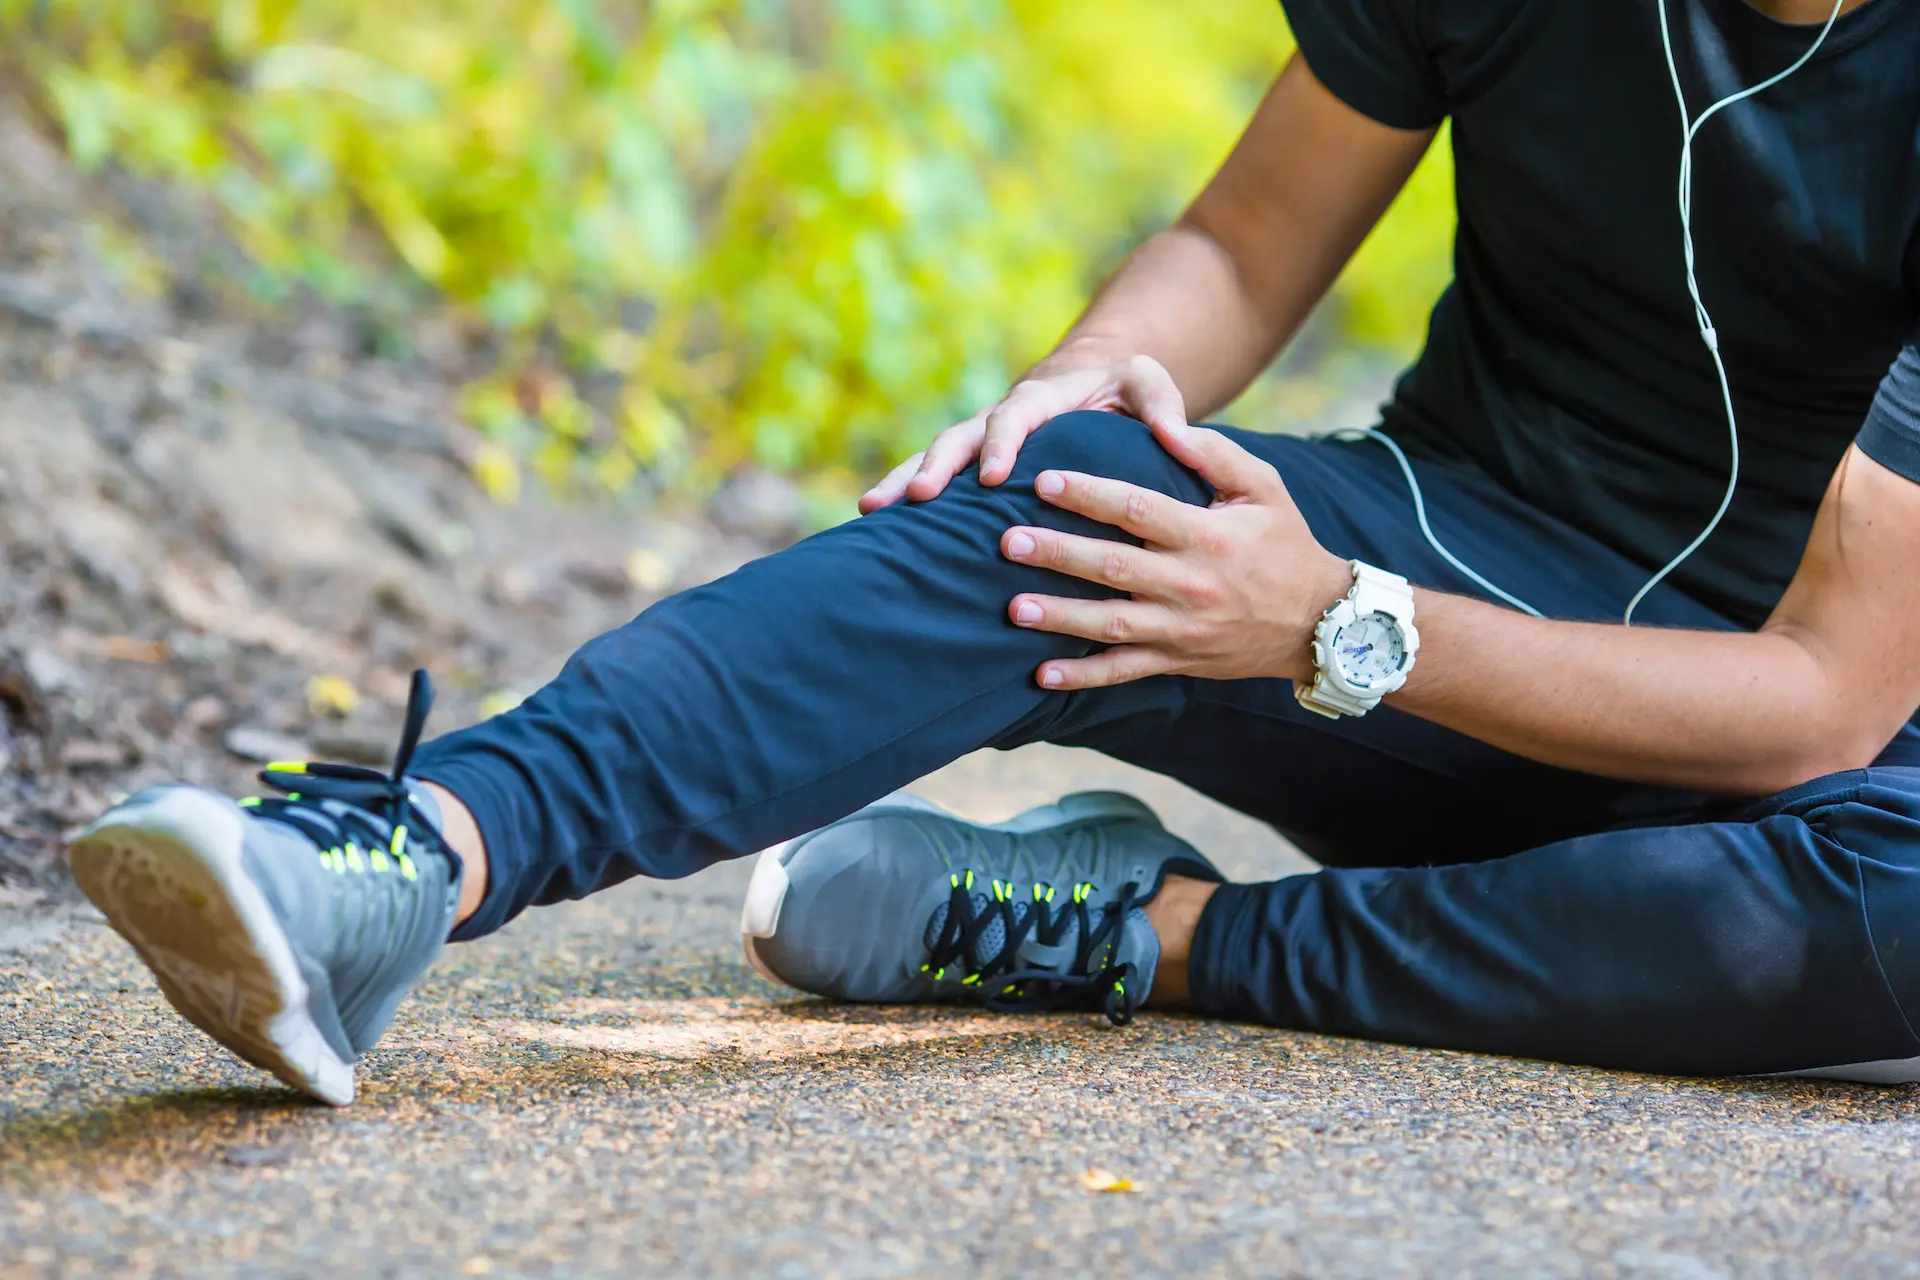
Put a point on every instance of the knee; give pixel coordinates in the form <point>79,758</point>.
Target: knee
<point>1881,832</point>
<point>1101,444</point>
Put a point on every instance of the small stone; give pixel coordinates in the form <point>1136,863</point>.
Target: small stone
<point>86,753</point>
<point>603,577</point>
<point>264,746</point>
<point>248,1156</point>
<point>59,362</point>
<point>521,585</point>
<point>353,746</point>
<point>205,712</point>
<point>18,898</point>
<point>51,673</point>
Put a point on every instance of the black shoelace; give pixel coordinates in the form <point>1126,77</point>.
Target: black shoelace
<point>1010,990</point>
<point>365,803</point>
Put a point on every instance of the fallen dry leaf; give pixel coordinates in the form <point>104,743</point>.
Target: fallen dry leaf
<point>332,696</point>
<point>130,649</point>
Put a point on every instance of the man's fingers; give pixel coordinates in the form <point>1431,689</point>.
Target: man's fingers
<point>1108,621</point>
<point>1112,564</point>
<point>1112,666</point>
<point>1010,422</point>
<point>1149,392</point>
<point>1219,461</point>
<point>946,458</point>
<point>891,488</point>
<point>1142,512</point>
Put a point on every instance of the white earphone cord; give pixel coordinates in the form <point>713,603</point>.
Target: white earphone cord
<point>1689,129</point>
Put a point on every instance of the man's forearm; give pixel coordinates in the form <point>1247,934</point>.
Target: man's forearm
<point>1720,711</point>
<point>1179,299</point>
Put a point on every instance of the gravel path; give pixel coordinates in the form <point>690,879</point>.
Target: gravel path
<point>608,1089</point>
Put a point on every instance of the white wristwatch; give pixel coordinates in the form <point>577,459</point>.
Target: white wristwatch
<point>1363,647</point>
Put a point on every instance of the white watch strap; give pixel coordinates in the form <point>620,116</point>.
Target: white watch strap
<point>1377,591</point>
<point>1331,701</point>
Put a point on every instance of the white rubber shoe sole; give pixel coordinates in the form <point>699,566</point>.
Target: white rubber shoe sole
<point>767,891</point>
<point>168,876</point>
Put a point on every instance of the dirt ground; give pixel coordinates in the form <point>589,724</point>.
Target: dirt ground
<point>199,516</point>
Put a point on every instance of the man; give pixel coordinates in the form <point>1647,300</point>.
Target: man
<point>1692,845</point>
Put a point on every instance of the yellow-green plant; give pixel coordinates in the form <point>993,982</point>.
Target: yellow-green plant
<point>803,232</point>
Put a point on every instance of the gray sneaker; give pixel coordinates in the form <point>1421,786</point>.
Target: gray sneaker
<point>286,929</point>
<point>903,902</point>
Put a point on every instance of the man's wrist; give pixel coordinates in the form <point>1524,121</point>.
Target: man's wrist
<point>1323,584</point>
<point>1083,351</point>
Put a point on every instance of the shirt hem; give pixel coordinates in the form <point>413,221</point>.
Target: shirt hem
<point>1890,445</point>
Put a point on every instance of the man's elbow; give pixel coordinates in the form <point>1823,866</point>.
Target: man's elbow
<point>1836,751</point>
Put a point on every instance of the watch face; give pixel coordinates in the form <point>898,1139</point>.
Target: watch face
<point>1369,651</point>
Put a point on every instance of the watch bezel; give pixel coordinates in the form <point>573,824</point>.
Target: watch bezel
<point>1393,679</point>
<point>1325,642</point>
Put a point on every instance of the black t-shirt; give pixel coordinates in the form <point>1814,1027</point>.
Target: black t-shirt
<point>1564,360</point>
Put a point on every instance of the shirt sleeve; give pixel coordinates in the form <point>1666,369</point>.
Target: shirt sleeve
<point>1891,436</point>
<point>1371,54</point>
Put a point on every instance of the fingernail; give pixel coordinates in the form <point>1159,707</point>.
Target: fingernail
<point>991,458</point>
<point>1020,546</point>
<point>1049,677</point>
<point>1050,484</point>
<point>1026,613</point>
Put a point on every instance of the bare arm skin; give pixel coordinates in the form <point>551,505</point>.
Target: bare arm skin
<point>1199,310</point>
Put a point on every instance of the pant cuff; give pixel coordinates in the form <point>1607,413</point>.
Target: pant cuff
<point>1238,966</point>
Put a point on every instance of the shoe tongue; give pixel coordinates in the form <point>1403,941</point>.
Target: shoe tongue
<point>425,801</point>
<point>993,939</point>
<point>333,811</point>
<point>1139,945</point>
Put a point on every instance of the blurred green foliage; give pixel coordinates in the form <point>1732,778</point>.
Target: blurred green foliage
<point>802,232</point>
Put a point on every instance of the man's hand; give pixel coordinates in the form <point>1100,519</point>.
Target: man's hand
<point>1137,386</point>
<point>1230,591</point>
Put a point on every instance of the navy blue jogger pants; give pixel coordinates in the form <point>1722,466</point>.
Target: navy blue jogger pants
<point>1471,899</point>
